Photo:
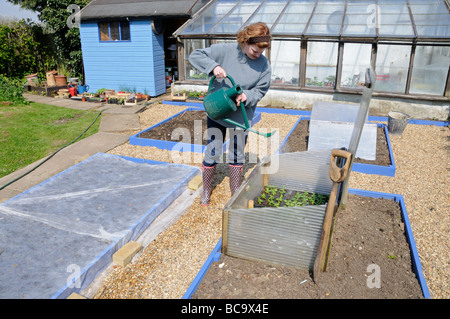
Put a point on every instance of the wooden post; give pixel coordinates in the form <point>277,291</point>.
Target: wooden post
<point>337,175</point>
<point>224,231</point>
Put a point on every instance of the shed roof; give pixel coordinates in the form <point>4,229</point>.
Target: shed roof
<point>107,9</point>
<point>370,19</point>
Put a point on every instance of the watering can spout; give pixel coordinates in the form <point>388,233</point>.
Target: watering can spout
<point>233,92</point>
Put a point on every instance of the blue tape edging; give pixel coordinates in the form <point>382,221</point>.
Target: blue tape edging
<point>167,145</point>
<point>214,256</point>
<point>178,146</point>
<point>415,259</point>
<point>378,169</point>
<point>102,260</point>
<point>359,167</point>
<point>193,104</point>
<point>308,113</point>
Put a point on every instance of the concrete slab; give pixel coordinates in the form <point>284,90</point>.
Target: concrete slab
<point>68,103</point>
<point>119,122</point>
<point>124,109</point>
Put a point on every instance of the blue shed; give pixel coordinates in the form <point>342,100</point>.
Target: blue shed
<point>125,44</point>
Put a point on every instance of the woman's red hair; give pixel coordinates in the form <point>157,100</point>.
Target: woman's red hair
<point>254,30</point>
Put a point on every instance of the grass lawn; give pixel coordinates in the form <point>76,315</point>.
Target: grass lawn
<point>34,131</point>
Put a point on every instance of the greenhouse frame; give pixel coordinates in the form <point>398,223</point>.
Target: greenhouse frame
<point>326,45</point>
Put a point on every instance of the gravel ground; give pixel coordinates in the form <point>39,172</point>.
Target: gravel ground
<point>167,266</point>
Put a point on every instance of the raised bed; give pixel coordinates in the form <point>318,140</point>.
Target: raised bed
<point>388,168</point>
<point>383,165</point>
<point>160,135</point>
<point>46,90</point>
<point>222,276</point>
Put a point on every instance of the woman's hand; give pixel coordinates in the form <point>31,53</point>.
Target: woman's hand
<point>219,72</point>
<point>241,98</point>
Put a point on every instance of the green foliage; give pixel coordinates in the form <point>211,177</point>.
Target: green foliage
<point>24,49</point>
<point>11,90</point>
<point>29,132</point>
<point>65,39</point>
<point>276,198</point>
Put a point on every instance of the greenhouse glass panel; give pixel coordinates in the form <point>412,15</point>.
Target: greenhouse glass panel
<point>327,18</point>
<point>206,21</point>
<point>321,61</point>
<point>268,12</point>
<point>191,72</point>
<point>285,57</point>
<point>432,18</point>
<point>394,19</point>
<point>360,19</point>
<point>390,6</point>
<point>396,30</point>
<point>295,17</point>
<point>355,62</point>
<point>392,67</point>
<point>430,68</point>
<point>237,17</point>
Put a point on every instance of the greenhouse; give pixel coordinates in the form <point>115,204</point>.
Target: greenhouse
<point>325,46</point>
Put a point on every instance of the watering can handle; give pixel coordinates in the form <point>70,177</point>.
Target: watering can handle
<point>210,87</point>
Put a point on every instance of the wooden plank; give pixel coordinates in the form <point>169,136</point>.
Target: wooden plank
<point>322,252</point>
<point>224,231</point>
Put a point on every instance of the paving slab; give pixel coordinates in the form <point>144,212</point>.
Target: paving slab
<point>119,122</point>
<point>68,103</point>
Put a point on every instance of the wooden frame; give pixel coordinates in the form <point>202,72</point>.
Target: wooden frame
<point>301,86</point>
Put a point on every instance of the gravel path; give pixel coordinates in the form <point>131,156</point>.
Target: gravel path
<point>167,266</point>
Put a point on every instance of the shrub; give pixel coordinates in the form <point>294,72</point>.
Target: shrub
<point>11,90</point>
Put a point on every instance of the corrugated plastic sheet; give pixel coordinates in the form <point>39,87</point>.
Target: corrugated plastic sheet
<point>285,235</point>
<point>304,171</point>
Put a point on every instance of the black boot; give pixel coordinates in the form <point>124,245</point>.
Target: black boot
<point>207,175</point>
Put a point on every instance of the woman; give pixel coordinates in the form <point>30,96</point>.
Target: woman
<point>244,62</point>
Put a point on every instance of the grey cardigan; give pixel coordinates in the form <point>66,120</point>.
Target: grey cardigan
<point>252,75</point>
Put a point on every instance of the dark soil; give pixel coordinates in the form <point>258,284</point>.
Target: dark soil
<point>368,234</point>
<point>298,142</point>
<point>185,121</point>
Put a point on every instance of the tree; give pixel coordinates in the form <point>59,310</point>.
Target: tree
<point>24,49</point>
<point>55,14</point>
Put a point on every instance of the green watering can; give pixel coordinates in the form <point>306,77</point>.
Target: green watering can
<point>220,104</point>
